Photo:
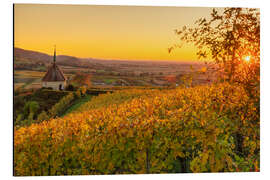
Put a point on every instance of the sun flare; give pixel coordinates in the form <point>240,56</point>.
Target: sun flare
<point>247,58</point>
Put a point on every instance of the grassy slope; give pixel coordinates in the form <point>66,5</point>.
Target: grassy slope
<point>104,100</point>
<point>115,98</point>
<point>77,104</point>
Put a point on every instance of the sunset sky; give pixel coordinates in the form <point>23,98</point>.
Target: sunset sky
<point>105,32</point>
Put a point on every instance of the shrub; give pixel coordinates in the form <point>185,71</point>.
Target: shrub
<point>83,90</point>
<point>43,116</point>
<point>31,107</point>
<point>59,107</point>
<point>78,93</point>
<point>30,118</point>
<point>70,87</point>
<point>46,88</point>
<point>19,119</point>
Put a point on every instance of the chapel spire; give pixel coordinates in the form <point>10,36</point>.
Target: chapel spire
<point>54,56</point>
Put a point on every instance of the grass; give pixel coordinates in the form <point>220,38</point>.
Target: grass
<point>76,104</point>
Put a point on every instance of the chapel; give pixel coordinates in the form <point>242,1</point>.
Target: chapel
<point>54,77</point>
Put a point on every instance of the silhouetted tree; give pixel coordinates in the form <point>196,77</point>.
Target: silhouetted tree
<point>232,39</point>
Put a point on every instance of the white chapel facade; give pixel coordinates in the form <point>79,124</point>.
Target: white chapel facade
<point>54,78</point>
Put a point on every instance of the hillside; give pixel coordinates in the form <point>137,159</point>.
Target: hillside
<point>28,56</point>
<point>202,129</point>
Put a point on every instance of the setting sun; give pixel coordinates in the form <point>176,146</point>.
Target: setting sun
<point>247,58</point>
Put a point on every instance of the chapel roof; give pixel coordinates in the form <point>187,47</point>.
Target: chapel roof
<point>54,73</point>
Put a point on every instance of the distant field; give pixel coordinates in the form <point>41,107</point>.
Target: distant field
<point>25,74</point>
<point>17,85</point>
<point>120,73</point>
<point>29,79</point>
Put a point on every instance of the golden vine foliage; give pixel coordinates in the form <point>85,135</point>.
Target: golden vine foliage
<point>181,130</point>
<point>118,97</point>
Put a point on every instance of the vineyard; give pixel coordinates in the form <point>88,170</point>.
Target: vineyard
<point>201,129</point>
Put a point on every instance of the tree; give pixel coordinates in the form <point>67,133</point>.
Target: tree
<point>231,39</point>
<point>83,90</point>
<point>82,79</point>
<point>19,119</point>
<point>31,107</point>
<point>171,79</point>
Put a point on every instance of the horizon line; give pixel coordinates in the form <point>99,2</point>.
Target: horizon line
<point>111,59</point>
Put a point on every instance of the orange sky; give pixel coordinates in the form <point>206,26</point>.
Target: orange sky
<point>107,32</point>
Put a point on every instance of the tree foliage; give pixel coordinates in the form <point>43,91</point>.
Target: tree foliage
<point>228,37</point>
<point>31,107</point>
<point>82,79</point>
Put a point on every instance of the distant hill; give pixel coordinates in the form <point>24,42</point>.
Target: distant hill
<point>28,56</point>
